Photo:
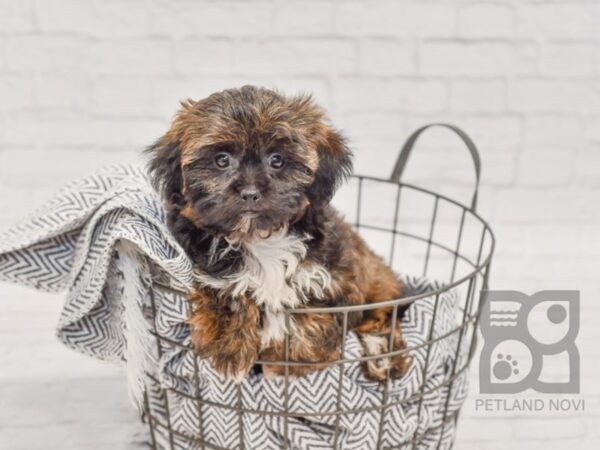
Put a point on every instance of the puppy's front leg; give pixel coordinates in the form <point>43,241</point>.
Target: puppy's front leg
<point>226,332</point>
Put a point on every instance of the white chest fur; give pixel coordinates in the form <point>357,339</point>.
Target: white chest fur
<point>276,278</point>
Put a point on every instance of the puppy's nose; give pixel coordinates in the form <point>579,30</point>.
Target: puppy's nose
<point>250,195</point>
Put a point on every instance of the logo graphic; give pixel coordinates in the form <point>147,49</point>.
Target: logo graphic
<point>529,342</point>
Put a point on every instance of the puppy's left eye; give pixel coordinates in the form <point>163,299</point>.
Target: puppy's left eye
<point>276,161</point>
<point>222,160</point>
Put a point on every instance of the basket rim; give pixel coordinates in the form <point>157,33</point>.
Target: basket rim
<point>430,192</point>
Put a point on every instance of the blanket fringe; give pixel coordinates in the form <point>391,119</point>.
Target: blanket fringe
<point>139,352</point>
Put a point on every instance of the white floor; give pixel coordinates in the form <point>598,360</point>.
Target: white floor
<point>51,397</point>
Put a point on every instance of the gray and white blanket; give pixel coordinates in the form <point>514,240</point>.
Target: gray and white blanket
<point>104,239</point>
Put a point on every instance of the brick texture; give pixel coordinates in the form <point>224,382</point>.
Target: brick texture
<point>83,84</point>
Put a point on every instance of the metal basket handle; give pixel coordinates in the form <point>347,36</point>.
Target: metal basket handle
<point>410,142</point>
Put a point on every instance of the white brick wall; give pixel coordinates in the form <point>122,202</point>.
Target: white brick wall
<point>88,83</point>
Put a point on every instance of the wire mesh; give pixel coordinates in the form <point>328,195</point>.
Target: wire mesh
<point>466,271</point>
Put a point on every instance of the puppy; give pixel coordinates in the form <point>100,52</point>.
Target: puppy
<point>247,176</point>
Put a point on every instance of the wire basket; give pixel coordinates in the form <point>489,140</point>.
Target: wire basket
<point>449,241</point>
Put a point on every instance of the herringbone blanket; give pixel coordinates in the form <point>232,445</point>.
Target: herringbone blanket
<point>104,240</point>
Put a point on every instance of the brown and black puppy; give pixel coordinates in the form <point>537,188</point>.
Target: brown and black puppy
<point>247,176</point>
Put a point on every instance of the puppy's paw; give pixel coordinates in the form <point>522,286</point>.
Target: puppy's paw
<point>235,365</point>
<point>379,369</point>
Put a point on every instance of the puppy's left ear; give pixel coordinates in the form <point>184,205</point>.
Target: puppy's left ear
<point>165,169</point>
<point>335,164</point>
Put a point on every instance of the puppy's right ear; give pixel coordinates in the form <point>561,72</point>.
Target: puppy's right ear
<point>165,169</point>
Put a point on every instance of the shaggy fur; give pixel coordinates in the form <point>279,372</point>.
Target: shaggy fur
<point>247,176</point>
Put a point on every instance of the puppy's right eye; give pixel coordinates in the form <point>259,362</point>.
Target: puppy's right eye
<point>222,160</point>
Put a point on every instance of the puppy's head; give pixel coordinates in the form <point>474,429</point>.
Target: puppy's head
<point>246,162</point>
